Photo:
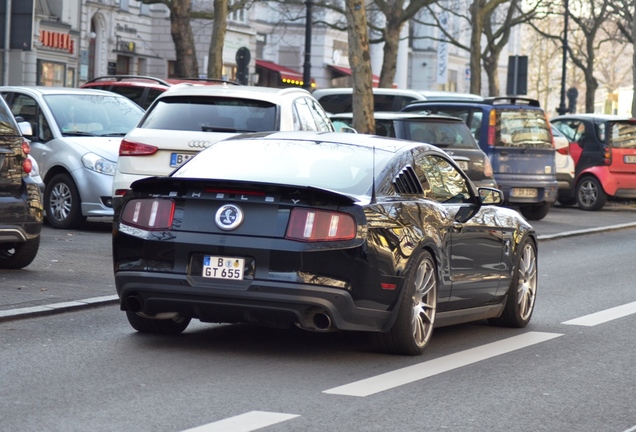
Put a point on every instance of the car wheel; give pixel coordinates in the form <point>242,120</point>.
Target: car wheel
<point>413,327</point>
<point>535,211</point>
<point>590,194</point>
<point>18,255</point>
<point>62,202</point>
<point>170,326</point>
<point>522,291</point>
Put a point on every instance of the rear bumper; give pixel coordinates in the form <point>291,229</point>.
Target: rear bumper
<point>263,302</point>
<point>547,189</point>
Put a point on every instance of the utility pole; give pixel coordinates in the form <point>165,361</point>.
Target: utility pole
<point>562,109</point>
<point>307,64</point>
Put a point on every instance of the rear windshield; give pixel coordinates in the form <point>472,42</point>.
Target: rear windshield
<point>211,114</point>
<point>522,128</point>
<point>623,134</point>
<point>340,168</point>
<point>441,134</point>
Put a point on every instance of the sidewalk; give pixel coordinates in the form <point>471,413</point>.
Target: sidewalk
<point>73,269</point>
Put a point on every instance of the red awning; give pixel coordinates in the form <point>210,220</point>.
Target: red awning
<point>346,71</point>
<point>286,74</point>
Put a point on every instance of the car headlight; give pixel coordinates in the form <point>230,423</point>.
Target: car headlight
<point>98,164</point>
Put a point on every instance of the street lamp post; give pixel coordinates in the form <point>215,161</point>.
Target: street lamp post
<point>562,109</point>
<point>307,64</point>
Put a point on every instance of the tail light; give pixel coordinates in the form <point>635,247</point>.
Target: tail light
<point>488,172</point>
<point>492,123</point>
<point>607,155</point>
<point>27,165</point>
<point>129,148</point>
<point>311,225</point>
<point>563,150</point>
<point>150,214</point>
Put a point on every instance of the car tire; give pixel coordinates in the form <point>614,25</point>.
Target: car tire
<point>62,203</point>
<point>522,292</point>
<point>170,326</point>
<point>535,211</point>
<point>19,255</point>
<point>590,194</point>
<point>413,326</point>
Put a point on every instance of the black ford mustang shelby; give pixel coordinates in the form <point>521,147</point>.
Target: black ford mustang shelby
<point>325,231</point>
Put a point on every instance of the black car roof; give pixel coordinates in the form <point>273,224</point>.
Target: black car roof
<point>491,101</point>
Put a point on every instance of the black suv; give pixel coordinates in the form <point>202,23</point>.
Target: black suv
<point>21,211</point>
<point>516,136</point>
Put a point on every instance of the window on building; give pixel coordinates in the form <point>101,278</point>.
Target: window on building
<point>51,74</point>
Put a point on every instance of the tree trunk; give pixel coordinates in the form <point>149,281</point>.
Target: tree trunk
<point>215,55</point>
<point>591,85</point>
<point>475,46</point>
<point>490,66</point>
<point>181,31</point>
<point>392,33</point>
<point>360,63</point>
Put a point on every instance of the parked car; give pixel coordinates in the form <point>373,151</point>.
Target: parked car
<point>325,231</point>
<point>142,90</point>
<point>186,120</point>
<point>448,95</point>
<point>564,164</point>
<point>21,212</point>
<point>604,149</point>
<point>515,134</point>
<point>340,100</point>
<point>75,139</point>
<point>448,133</point>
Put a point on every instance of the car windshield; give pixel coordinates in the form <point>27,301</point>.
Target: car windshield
<point>522,128</point>
<point>211,114</point>
<point>441,134</point>
<point>93,115</point>
<point>336,167</point>
<point>623,134</point>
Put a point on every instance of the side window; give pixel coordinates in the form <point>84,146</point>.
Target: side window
<point>27,108</point>
<point>442,182</point>
<point>573,130</point>
<point>320,117</point>
<point>337,103</point>
<point>306,120</point>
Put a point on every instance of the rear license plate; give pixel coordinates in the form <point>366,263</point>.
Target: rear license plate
<point>178,159</point>
<point>216,267</point>
<point>523,193</point>
<point>630,158</point>
<point>463,165</point>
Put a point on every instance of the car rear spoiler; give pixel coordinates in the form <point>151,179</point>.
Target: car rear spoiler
<point>182,186</point>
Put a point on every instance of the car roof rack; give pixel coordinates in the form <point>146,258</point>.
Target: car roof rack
<point>511,100</point>
<point>128,77</point>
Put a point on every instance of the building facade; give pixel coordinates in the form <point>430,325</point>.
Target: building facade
<point>68,42</point>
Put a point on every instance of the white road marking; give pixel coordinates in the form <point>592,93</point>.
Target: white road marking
<point>604,316</point>
<point>247,422</point>
<point>631,429</point>
<point>427,369</point>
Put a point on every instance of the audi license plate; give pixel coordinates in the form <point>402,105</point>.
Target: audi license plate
<point>216,267</point>
<point>523,192</point>
<point>178,159</point>
<point>630,159</point>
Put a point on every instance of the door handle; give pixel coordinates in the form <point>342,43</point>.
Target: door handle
<point>457,227</point>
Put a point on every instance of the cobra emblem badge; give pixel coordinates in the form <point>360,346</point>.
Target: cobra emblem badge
<point>228,217</point>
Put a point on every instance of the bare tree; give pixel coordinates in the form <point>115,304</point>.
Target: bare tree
<point>186,57</point>
<point>360,63</point>
<point>219,16</point>
<point>588,37</point>
<point>624,18</point>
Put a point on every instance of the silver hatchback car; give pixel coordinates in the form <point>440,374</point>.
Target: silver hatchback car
<point>75,141</point>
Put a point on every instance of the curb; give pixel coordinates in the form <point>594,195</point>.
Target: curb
<point>37,311</point>
<point>586,231</point>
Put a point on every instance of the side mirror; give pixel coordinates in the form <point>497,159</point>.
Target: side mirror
<point>24,126</point>
<point>490,196</point>
<point>348,129</point>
